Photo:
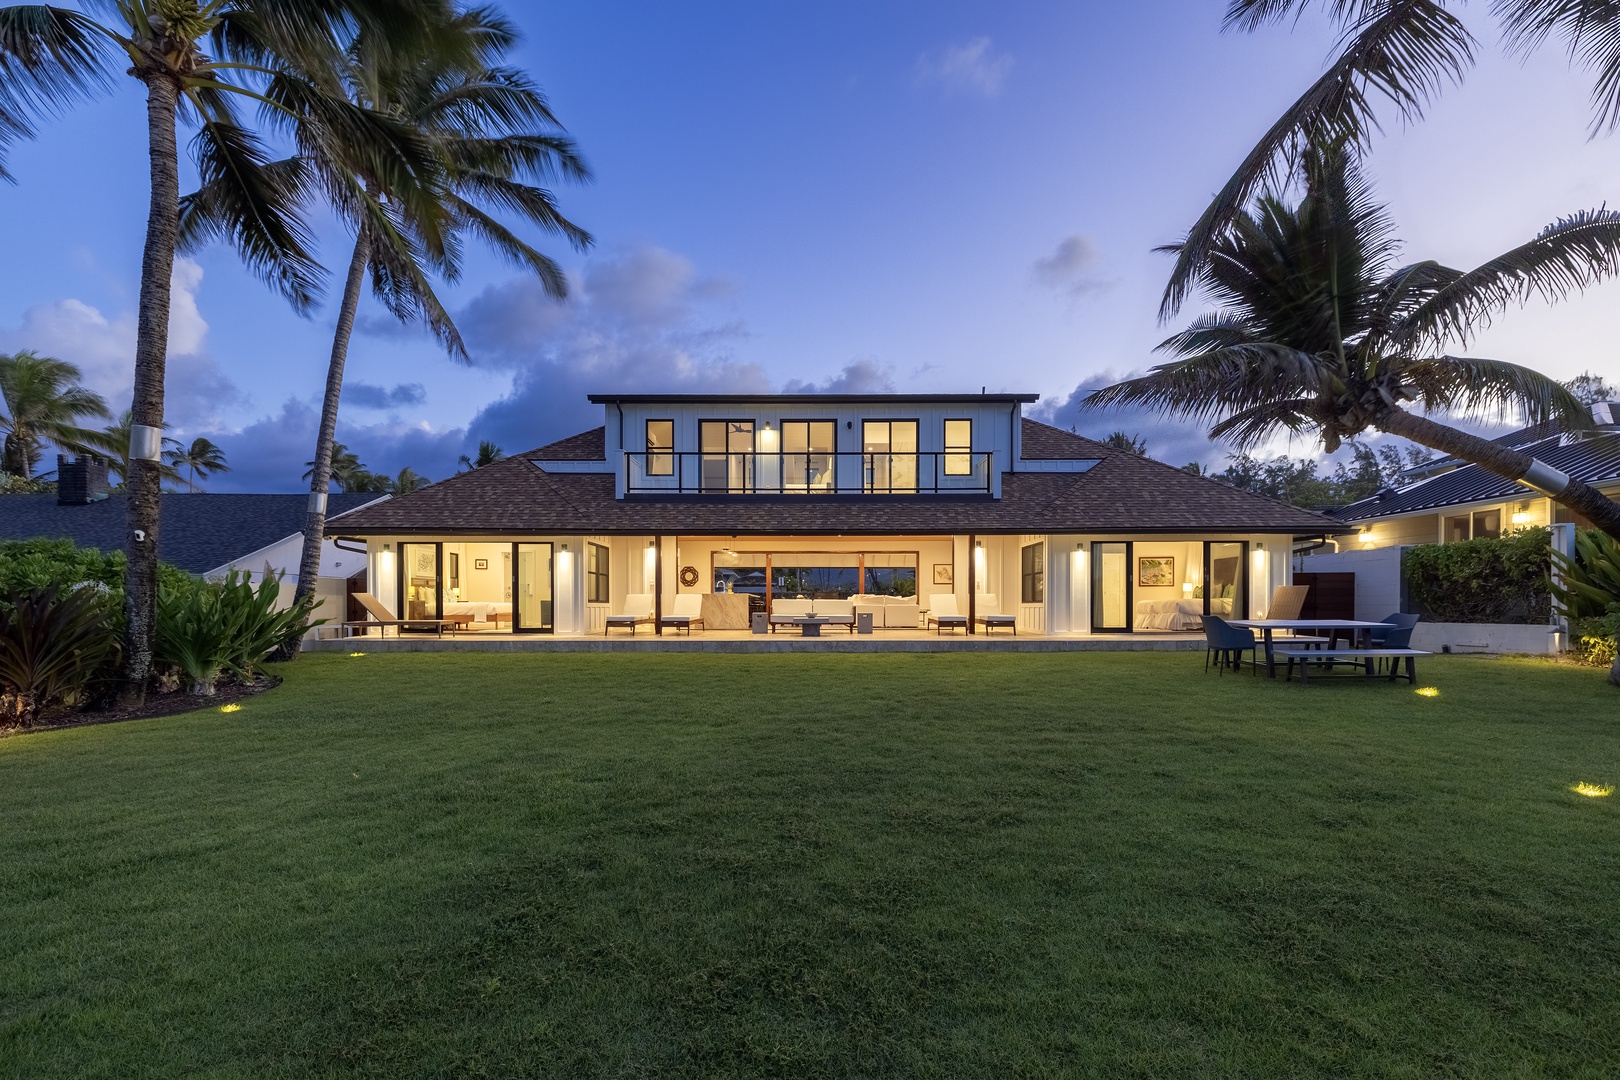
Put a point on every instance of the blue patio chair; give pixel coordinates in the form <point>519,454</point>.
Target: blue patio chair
<point>1396,621</point>
<point>1396,637</point>
<point>1228,641</point>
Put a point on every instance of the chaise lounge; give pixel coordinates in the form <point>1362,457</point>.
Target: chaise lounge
<point>688,612</point>
<point>987,613</point>
<point>638,609</point>
<point>942,614</point>
<point>382,618</point>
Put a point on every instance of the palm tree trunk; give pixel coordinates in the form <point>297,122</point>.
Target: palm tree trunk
<point>151,350</point>
<point>309,564</point>
<point>1584,499</point>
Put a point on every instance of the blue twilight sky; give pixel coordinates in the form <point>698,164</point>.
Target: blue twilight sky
<point>929,196</point>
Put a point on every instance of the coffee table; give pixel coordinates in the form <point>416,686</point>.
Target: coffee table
<point>809,625</point>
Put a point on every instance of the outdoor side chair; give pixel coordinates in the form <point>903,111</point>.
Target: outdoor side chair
<point>1229,643</point>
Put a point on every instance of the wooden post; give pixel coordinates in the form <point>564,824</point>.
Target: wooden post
<point>973,580</point>
<point>658,584</point>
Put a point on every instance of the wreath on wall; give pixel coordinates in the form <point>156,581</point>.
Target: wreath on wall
<point>689,576</point>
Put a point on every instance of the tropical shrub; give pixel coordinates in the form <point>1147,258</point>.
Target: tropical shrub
<point>1590,584</point>
<point>1596,641</point>
<point>53,645</point>
<point>210,628</point>
<point>1503,580</point>
<point>35,565</point>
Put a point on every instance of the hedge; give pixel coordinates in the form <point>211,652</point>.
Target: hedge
<point>1482,581</point>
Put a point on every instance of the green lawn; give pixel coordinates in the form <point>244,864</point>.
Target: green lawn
<point>821,866</point>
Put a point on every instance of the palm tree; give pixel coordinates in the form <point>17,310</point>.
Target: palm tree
<point>1131,444</point>
<point>407,481</point>
<point>344,468</point>
<point>494,137</point>
<point>112,442</point>
<point>185,54</point>
<point>1319,330</point>
<point>1400,52</point>
<point>43,403</point>
<point>488,454</point>
<point>202,456</point>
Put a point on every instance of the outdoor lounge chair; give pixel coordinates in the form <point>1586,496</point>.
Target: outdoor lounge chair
<point>382,618</point>
<point>1287,602</point>
<point>987,614</point>
<point>688,612</point>
<point>942,613</point>
<point>1228,642</point>
<point>638,609</point>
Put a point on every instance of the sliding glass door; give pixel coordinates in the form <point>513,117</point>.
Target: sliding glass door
<point>419,583</point>
<point>533,590</point>
<point>1111,587</point>
<point>1226,579</point>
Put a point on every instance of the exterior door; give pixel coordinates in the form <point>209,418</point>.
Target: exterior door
<point>1226,578</point>
<point>1111,587</point>
<point>532,589</point>
<point>419,594</point>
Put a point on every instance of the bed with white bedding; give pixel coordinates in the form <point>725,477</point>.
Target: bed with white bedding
<point>1178,614</point>
<point>481,611</point>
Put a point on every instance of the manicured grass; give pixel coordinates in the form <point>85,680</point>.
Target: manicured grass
<point>821,866</point>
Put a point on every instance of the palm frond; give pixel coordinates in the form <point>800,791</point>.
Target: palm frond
<point>50,57</point>
<point>540,157</point>
<point>1471,386</point>
<point>535,204</point>
<point>1248,428</point>
<point>1249,15</point>
<point>1222,382</point>
<point>398,282</point>
<point>253,204</point>
<point>1570,255</point>
<point>1402,51</point>
<point>1591,31</point>
<point>507,244</point>
<point>1208,332</point>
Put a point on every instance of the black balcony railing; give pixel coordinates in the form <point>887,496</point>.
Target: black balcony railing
<point>672,472</point>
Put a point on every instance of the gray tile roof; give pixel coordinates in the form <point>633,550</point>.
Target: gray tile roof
<point>198,532</point>
<point>1123,493</point>
<point>1594,460</point>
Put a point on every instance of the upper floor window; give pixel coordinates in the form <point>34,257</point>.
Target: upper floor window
<point>596,574</point>
<point>890,451</point>
<point>807,454</point>
<point>727,455</point>
<point>660,447</point>
<point>1034,574</point>
<point>958,447</point>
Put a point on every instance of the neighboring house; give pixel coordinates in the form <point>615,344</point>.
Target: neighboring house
<point>203,534</point>
<point>1450,500</point>
<point>894,501</point>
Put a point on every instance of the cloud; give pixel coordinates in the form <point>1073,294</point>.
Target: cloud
<point>370,396</point>
<point>858,377</point>
<point>269,455</point>
<point>1175,442</point>
<point>633,323</point>
<point>973,67</point>
<point>1071,270</point>
<point>103,347</point>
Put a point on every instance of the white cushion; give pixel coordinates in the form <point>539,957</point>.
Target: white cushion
<point>688,606</point>
<point>790,608</point>
<point>638,605</point>
<point>941,604</point>
<point>835,609</point>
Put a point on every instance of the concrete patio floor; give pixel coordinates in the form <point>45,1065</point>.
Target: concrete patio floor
<point>742,641</point>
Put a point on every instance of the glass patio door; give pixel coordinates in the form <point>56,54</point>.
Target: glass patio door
<point>532,590</point>
<point>419,581</point>
<point>1226,579</point>
<point>1111,587</point>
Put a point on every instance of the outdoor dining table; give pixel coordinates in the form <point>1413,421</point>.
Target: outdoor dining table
<point>1355,628</point>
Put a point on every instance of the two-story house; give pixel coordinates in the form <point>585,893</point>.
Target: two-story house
<point>771,497</point>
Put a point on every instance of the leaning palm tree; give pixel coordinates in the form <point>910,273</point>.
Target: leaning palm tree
<point>194,59</point>
<point>496,138</point>
<point>1399,54</point>
<point>202,456</point>
<point>1319,330</point>
<point>43,402</point>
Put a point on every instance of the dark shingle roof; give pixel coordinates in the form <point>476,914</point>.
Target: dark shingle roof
<point>1121,493</point>
<point>198,532</point>
<point>586,446</point>
<point>1593,460</point>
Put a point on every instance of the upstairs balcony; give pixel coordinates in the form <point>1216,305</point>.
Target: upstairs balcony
<point>779,473</point>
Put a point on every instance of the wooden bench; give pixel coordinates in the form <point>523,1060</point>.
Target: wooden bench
<point>1365,656</point>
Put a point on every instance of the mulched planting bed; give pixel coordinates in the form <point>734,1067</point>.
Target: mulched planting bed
<point>157,704</point>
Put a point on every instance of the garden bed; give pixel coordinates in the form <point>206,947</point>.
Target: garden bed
<point>157,704</point>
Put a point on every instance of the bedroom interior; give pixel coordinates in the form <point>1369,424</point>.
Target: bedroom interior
<point>1175,583</point>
